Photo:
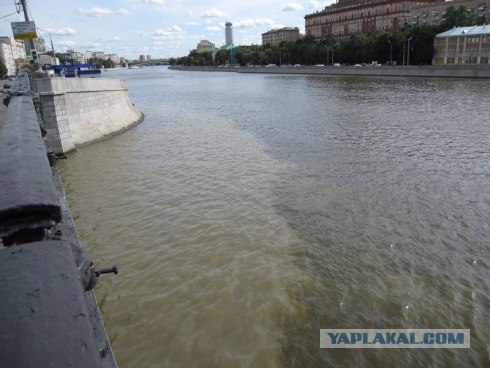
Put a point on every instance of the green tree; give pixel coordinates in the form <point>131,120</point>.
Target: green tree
<point>60,57</point>
<point>99,63</point>
<point>422,44</point>
<point>352,50</point>
<point>222,57</point>
<point>457,17</point>
<point>108,63</point>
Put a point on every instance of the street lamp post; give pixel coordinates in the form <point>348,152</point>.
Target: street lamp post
<point>403,58</point>
<point>289,56</point>
<point>391,52</point>
<point>408,51</point>
<point>333,52</point>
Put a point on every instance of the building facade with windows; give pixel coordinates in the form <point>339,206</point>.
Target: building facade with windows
<point>276,36</point>
<point>76,56</point>
<point>463,46</point>
<point>13,53</point>
<point>205,46</point>
<point>434,13</point>
<point>114,58</point>
<point>99,55</point>
<point>348,17</point>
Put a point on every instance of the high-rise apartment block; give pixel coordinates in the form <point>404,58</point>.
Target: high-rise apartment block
<point>348,17</point>
<point>13,53</point>
<point>433,13</point>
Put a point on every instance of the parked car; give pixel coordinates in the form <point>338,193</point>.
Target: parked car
<point>336,64</point>
<point>6,88</point>
<point>319,65</point>
<point>357,65</point>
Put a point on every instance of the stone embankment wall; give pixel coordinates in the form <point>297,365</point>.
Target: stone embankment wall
<point>79,111</point>
<point>441,71</point>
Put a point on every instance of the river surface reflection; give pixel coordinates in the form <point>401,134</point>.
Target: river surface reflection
<point>248,211</point>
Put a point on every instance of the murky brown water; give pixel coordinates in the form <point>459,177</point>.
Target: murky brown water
<point>248,211</point>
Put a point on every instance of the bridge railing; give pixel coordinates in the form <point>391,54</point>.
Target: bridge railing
<point>48,312</point>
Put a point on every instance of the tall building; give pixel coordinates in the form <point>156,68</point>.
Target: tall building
<point>463,46</point>
<point>348,17</point>
<point>99,55</point>
<point>433,13</point>
<point>88,55</point>
<point>205,46</point>
<point>114,58</point>
<point>229,33</point>
<point>276,36</point>
<point>13,53</point>
<point>77,56</point>
<point>142,58</point>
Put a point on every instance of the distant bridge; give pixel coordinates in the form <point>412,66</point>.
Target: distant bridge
<point>153,62</point>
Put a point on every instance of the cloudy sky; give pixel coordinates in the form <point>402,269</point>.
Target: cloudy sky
<point>160,28</point>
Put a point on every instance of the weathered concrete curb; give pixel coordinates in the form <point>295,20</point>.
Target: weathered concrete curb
<point>482,71</point>
<point>48,322</point>
<point>28,200</point>
<point>48,311</point>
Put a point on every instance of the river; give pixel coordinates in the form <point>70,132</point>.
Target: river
<point>247,212</point>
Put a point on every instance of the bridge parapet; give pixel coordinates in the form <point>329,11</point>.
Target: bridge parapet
<point>48,312</point>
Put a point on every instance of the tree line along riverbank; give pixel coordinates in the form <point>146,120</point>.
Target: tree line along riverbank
<point>408,45</point>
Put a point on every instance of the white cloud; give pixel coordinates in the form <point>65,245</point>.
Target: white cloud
<point>213,13</point>
<point>116,38</point>
<point>213,29</point>
<point>253,23</point>
<point>319,5</point>
<point>65,31</point>
<point>66,43</point>
<point>157,2</point>
<point>291,7</point>
<point>168,33</point>
<point>192,23</point>
<point>123,11</point>
<point>92,45</point>
<point>94,12</point>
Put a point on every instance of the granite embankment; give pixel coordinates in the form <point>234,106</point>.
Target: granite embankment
<point>444,71</point>
<point>78,111</point>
